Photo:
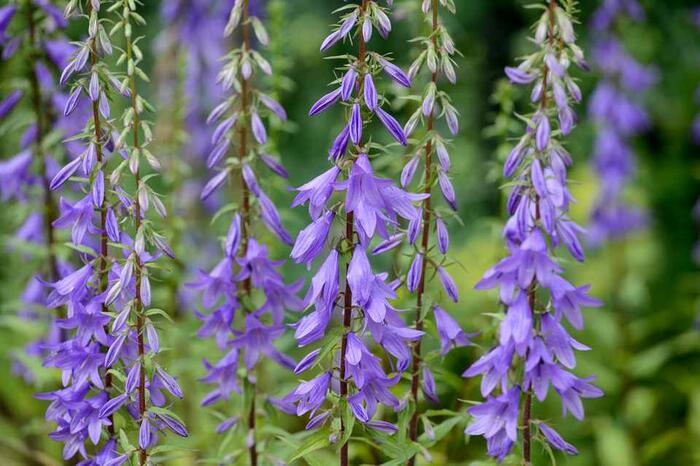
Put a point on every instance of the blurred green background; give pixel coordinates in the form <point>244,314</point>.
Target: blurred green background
<point>645,341</point>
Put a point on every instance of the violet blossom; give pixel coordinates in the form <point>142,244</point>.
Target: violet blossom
<point>81,357</point>
<point>108,282</point>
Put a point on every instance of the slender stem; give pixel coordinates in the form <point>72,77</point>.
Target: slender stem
<point>49,206</point>
<point>138,303</point>
<point>104,250</point>
<point>527,405</point>
<point>527,432</point>
<point>425,242</point>
<point>350,239</point>
<point>245,214</point>
<point>347,319</point>
<point>243,141</point>
<point>37,104</point>
<point>531,293</point>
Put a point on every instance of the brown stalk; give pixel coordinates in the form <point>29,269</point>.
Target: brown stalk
<point>425,242</point>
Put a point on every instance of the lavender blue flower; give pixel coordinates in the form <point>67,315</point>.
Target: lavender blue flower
<point>97,342</point>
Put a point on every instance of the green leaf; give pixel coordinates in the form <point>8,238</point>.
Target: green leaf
<point>81,248</point>
<point>318,440</point>
<point>223,210</point>
<point>124,441</point>
<point>348,421</point>
<point>166,449</point>
<point>403,420</point>
<point>441,430</point>
<point>160,312</point>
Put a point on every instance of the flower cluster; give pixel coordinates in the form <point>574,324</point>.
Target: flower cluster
<point>352,382</point>
<point>245,291</point>
<point>619,117</point>
<point>534,348</point>
<point>430,147</point>
<point>34,33</point>
<point>109,359</point>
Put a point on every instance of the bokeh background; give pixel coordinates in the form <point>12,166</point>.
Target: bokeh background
<point>645,341</point>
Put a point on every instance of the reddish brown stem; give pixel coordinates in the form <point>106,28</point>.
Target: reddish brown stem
<point>245,213</point>
<point>350,239</point>
<point>104,250</point>
<point>531,293</point>
<point>347,319</point>
<point>37,104</point>
<point>527,433</point>
<point>425,242</point>
<point>138,266</point>
<point>527,405</point>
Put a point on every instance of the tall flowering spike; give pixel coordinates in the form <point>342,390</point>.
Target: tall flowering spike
<point>436,62</point>
<point>351,380</point>
<point>619,117</point>
<point>134,352</point>
<point>535,350</point>
<point>245,291</point>
<point>87,344</point>
<point>33,36</point>
<point>99,346</point>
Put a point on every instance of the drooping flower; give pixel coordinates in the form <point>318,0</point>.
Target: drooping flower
<point>451,334</point>
<point>497,420</point>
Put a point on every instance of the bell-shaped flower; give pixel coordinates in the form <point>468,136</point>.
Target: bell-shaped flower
<point>497,420</point>
<point>309,396</point>
<point>224,375</point>
<point>257,339</point>
<point>317,192</point>
<point>450,333</point>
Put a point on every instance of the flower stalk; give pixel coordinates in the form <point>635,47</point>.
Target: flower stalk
<point>245,215</point>
<point>351,381</point>
<point>138,271</point>
<point>431,149</point>
<point>41,128</point>
<point>350,244</point>
<point>103,273</point>
<point>534,348</point>
<point>246,274</point>
<point>425,242</point>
